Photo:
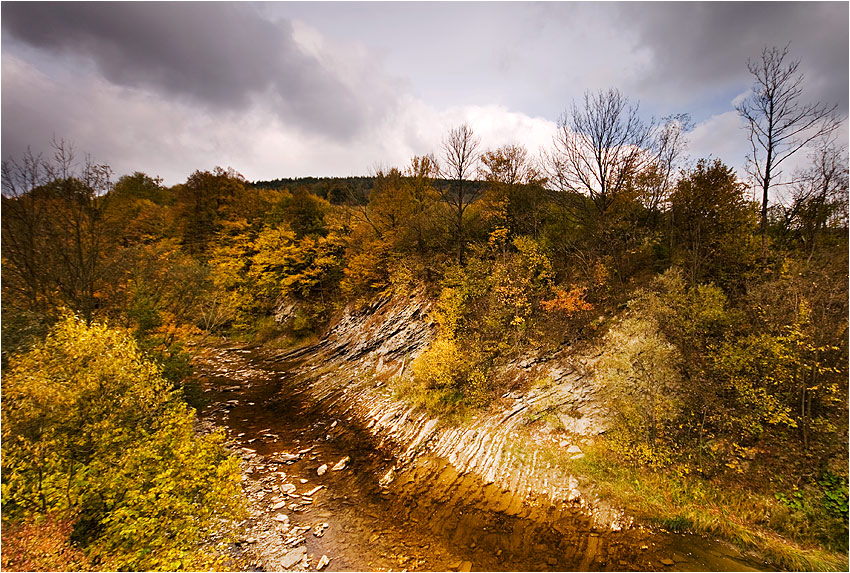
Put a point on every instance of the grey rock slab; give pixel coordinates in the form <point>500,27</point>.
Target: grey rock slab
<point>293,557</point>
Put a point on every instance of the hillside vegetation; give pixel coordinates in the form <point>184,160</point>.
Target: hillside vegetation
<point>723,341</point>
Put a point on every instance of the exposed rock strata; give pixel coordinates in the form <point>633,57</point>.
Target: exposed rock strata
<point>347,373</point>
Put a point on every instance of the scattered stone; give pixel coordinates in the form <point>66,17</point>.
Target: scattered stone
<point>302,480</point>
<point>340,465</point>
<point>323,562</point>
<point>551,561</point>
<point>279,505</point>
<point>576,456</point>
<point>465,567</point>
<point>313,491</point>
<point>319,530</point>
<point>288,488</point>
<point>574,449</point>
<point>322,469</point>
<point>296,539</point>
<point>667,562</point>
<point>282,518</point>
<point>644,547</point>
<point>293,557</point>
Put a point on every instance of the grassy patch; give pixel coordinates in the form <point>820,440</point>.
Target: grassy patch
<point>678,501</point>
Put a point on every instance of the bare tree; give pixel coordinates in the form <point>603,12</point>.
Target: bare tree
<point>778,121</point>
<point>670,144</point>
<point>25,241</point>
<point>819,195</point>
<point>460,149</point>
<point>53,229</point>
<point>597,151</point>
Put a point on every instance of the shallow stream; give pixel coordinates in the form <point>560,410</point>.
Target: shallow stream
<point>375,514</point>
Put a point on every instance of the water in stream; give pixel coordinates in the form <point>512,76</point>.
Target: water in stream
<point>372,515</point>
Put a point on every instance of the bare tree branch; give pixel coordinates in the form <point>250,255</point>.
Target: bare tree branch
<point>779,122</point>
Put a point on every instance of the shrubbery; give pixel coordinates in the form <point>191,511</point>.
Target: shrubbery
<point>91,430</point>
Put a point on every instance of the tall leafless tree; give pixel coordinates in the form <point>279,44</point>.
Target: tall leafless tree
<point>460,154</point>
<point>779,122</point>
<point>669,145</point>
<point>597,150</point>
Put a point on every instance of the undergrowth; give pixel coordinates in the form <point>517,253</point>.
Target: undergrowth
<point>788,536</point>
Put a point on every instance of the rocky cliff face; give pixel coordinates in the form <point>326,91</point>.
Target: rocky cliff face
<point>509,446</point>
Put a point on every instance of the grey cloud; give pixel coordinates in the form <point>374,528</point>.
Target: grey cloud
<point>706,45</point>
<point>220,55</point>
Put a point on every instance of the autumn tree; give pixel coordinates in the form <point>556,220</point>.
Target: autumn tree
<point>54,244</point>
<point>515,191</point>
<point>460,156</point>
<point>420,182</point>
<point>202,200</point>
<point>779,122</point>
<point>140,210</point>
<point>639,369</point>
<point>657,180</point>
<point>713,224</point>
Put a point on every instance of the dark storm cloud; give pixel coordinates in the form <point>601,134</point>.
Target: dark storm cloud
<point>706,45</point>
<point>220,55</point>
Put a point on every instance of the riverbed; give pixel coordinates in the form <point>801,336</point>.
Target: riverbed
<point>323,493</point>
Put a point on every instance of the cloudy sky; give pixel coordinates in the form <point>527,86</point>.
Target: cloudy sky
<point>324,88</point>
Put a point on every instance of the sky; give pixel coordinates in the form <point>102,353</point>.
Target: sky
<point>293,89</point>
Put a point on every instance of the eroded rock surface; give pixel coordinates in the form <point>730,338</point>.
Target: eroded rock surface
<point>414,493</point>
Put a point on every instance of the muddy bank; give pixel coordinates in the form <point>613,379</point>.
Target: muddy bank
<point>398,502</point>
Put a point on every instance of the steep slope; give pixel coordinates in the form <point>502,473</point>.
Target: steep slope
<point>350,372</point>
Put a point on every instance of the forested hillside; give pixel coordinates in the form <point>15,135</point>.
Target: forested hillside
<point>722,328</point>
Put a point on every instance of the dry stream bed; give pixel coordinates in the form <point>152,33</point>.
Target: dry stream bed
<point>324,494</point>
